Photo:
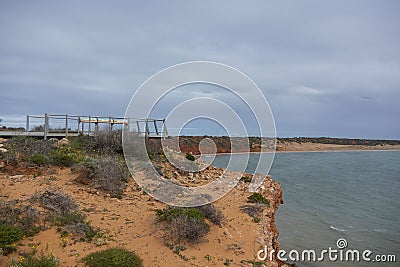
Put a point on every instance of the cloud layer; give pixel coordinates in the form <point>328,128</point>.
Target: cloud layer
<point>326,68</point>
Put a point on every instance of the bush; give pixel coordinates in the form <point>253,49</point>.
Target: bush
<point>56,201</point>
<point>9,234</point>
<point>212,214</point>
<point>84,229</point>
<point>245,179</point>
<point>252,210</point>
<point>108,142</point>
<point>113,257</point>
<point>38,159</point>
<point>107,173</point>
<point>65,213</point>
<point>190,157</point>
<point>70,218</point>
<point>9,212</point>
<point>26,147</point>
<point>186,229</point>
<point>88,168</point>
<point>184,224</point>
<point>67,156</point>
<point>29,220</point>
<point>258,198</point>
<point>168,214</point>
<point>24,217</point>
<point>31,261</point>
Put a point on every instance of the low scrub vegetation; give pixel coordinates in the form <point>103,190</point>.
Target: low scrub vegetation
<point>33,261</point>
<point>187,224</point>
<point>245,179</point>
<point>113,257</point>
<point>212,214</point>
<point>16,222</point>
<point>9,235</point>
<point>108,142</point>
<point>67,156</point>
<point>56,201</point>
<point>258,198</point>
<point>108,174</point>
<point>40,152</point>
<point>63,212</point>
<point>190,157</point>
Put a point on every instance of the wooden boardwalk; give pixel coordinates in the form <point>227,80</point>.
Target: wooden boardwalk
<point>52,125</point>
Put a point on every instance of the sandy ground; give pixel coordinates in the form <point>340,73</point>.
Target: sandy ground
<point>129,223</point>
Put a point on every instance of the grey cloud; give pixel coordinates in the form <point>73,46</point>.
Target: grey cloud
<point>327,68</point>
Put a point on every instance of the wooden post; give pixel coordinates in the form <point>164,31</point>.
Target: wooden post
<point>79,122</point>
<point>109,123</point>
<point>66,125</point>
<point>27,123</point>
<point>165,131</point>
<point>97,124</point>
<point>138,126</point>
<point>90,122</point>
<point>83,127</point>
<point>155,126</point>
<point>147,129</point>
<point>46,126</point>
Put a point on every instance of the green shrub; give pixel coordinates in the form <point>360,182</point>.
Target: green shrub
<point>190,157</point>
<point>64,213</point>
<point>245,179</point>
<point>39,159</point>
<point>168,214</point>
<point>9,234</point>
<point>83,229</point>
<point>108,174</point>
<point>183,224</point>
<point>108,142</point>
<point>88,168</point>
<point>258,198</point>
<point>69,218</point>
<point>67,156</point>
<point>113,257</point>
<point>9,212</point>
<point>32,261</point>
<point>24,217</point>
<point>76,223</point>
<point>80,143</point>
<point>26,147</point>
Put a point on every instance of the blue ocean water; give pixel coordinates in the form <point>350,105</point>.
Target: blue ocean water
<point>332,195</point>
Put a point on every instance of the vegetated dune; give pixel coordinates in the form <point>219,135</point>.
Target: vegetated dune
<point>130,221</point>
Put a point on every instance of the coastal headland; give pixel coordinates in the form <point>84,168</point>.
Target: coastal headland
<point>74,210</point>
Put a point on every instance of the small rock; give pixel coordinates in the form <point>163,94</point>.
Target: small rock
<point>14,177</point>
<point>63,142</point>
<point>2,149</point>
<point>226,232</point>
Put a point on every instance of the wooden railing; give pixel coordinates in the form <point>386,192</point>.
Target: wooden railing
<point>55,125</point>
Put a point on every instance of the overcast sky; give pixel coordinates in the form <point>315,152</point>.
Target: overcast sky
<point>327,68</point>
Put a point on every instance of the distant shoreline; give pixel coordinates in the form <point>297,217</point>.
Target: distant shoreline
<point>315,147</point>
<point>309,151</point>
